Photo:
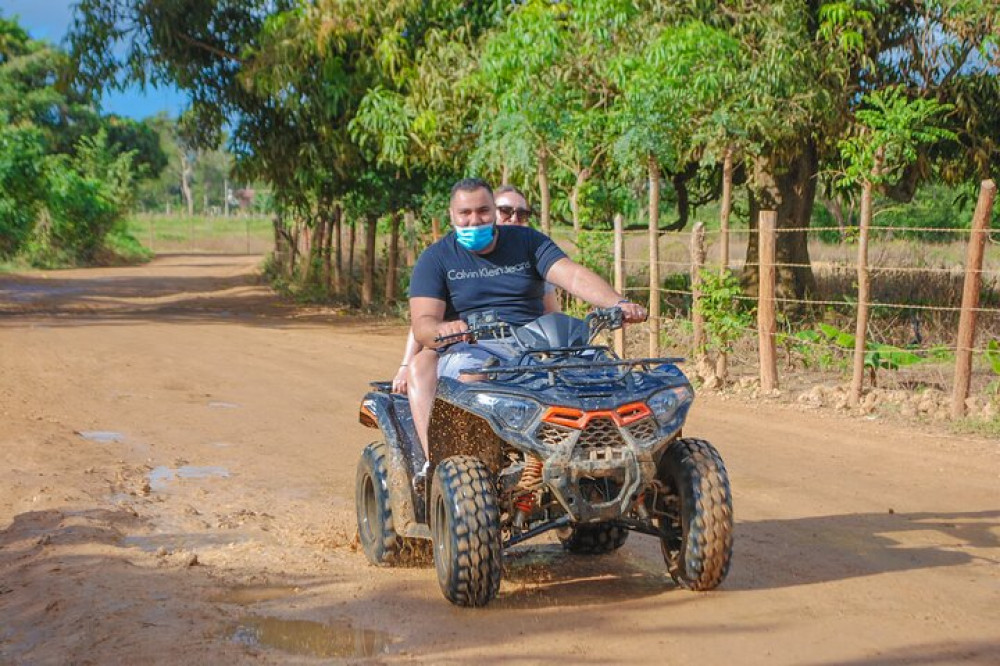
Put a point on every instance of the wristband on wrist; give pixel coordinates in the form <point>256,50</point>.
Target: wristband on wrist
<point>624,300</point>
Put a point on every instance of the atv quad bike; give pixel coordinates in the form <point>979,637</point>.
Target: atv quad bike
<point>565,436</point>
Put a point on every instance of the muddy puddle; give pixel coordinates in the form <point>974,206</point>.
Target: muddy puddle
<point>160,477</point>
<point>315,639</point>
<point>101,436</point>
<point>245,595</point>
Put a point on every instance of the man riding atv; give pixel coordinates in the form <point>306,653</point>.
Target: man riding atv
<point>480,267</point>
<point>532,426</point>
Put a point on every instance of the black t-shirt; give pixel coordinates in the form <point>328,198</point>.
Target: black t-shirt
<point>509,280</point>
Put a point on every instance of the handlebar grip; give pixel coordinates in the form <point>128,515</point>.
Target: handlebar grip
<point>445,338</point>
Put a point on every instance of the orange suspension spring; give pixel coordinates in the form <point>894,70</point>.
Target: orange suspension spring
<point>530,477</point>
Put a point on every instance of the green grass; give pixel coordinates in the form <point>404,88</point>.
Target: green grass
<point>252,234</point>
<point>971,426</point>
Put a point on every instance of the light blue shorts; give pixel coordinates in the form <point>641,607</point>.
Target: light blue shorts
<point>462,355</point>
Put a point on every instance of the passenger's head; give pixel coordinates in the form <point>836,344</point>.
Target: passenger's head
<point>472,213</point>
<point>512,206</point>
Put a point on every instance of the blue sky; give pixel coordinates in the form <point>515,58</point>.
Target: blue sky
<point>50,19</point>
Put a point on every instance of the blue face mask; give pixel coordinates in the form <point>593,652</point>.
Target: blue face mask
<point>475,238</point>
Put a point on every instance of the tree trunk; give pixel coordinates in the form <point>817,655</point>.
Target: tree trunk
<point>351,241</point>
<point>315,250</point>
<point>543,189</point>
<point>368,281</point>
<point>505,174</point>
<point>294,246</point>
<point>410,238</point>
<point>338,249</point>
<point>790,190</point>
<point>390,273</point>
<point>327,254</point>
<point>725,210</point>
<point>186,170</point>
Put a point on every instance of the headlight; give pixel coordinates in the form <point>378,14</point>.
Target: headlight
<point>667,404</point>
<point>514,413</point>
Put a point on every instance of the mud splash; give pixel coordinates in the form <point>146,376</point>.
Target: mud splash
<point>304,637</point>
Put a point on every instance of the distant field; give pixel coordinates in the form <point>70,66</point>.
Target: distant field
<point>236,234</point>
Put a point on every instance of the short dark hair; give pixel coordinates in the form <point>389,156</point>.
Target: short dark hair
<point>470,185</point>
<point>504,189</point>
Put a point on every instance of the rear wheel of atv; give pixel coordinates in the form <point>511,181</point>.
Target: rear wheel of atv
<point>465,525</point>
<point>376,531</point>
<point>595,539</point>
<point>696,515</point>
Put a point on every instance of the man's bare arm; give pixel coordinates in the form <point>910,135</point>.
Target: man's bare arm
<point>591,287</point>
<point>583,283</point>
<point>427,321</point>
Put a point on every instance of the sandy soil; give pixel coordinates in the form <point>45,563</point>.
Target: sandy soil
<point>177,456</point>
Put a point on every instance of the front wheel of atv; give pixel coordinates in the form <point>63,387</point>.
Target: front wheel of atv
<point>376,531</point>
<point>465,525</point>
<point>696,515</point>
<point>595,539</point>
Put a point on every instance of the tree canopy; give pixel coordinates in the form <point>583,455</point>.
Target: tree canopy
<point>379,105</point>
<point>60,157</point>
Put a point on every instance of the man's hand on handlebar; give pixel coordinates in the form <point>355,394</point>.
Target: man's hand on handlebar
<point>633,313</point>
<point>449,332</point>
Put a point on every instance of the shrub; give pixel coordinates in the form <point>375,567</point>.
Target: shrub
<point>88,195</point>
<point>22,185</point>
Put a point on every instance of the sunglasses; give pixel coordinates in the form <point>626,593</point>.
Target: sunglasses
<point>519,213</point>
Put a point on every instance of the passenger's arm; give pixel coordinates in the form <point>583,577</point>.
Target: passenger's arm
<point>400,381</point>
<point>588,285</point>
<point>427,321</point>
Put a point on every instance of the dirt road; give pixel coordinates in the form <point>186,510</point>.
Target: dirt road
<point>177,456</point>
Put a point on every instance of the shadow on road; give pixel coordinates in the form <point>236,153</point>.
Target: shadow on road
<point>803,551</point>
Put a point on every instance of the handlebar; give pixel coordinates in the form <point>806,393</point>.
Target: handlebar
<point>483,323</point>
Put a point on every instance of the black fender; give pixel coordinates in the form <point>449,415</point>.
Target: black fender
<point>390,413</point>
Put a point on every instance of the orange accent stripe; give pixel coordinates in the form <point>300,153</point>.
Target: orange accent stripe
<point>367,417</point>
<point>576,418</point>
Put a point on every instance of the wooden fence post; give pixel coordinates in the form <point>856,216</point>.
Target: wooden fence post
<point>619,276</point>
<point>970,297</point>
<point>654,258</point>
<point>864,293</point>
<point>767,325</point>
<point>697,263</point>
<point>435,229</point>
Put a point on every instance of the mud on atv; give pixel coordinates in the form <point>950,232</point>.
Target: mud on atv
<point>565,436</point>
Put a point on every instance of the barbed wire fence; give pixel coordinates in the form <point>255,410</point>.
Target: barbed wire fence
<point>686,257</point>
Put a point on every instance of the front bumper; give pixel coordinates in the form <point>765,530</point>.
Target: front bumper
<point>609,454</point>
